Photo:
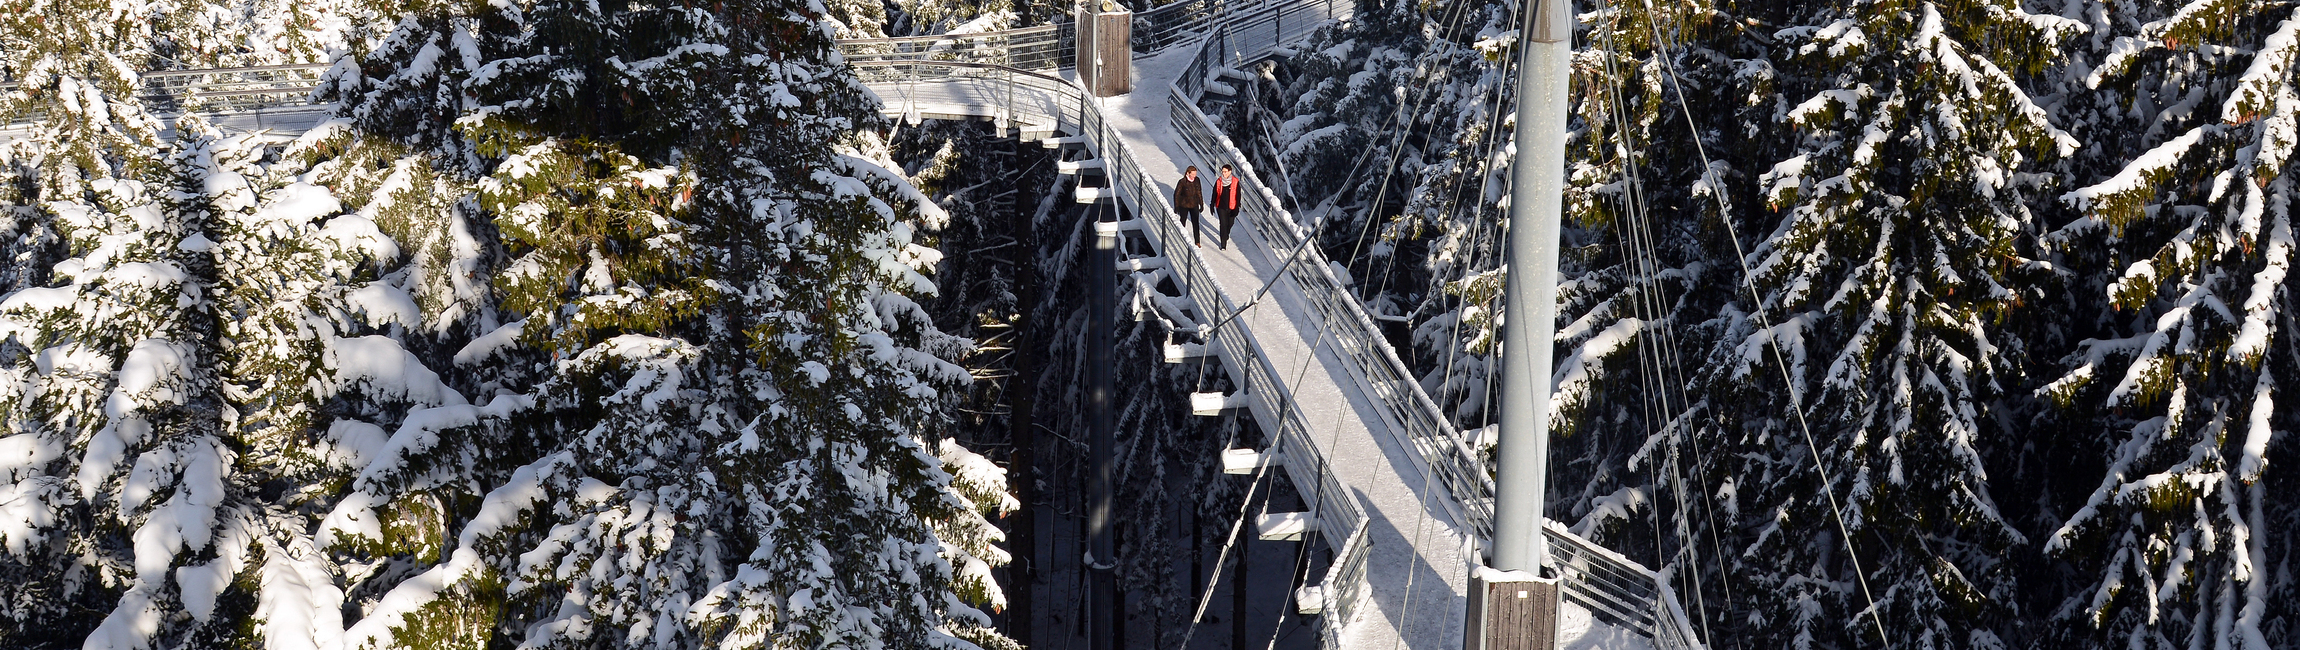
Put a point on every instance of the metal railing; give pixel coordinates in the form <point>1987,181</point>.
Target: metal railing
<point>168,93</point>
<point>1028,48</point>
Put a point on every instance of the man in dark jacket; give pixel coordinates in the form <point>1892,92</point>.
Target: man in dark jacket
<point>1226,202</point>
<point>1189,201</point>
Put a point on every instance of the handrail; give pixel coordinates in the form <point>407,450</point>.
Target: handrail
<point>937,38</point>
<point>1030,48</point>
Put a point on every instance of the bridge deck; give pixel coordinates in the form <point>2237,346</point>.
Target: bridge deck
<point>1416,574</point>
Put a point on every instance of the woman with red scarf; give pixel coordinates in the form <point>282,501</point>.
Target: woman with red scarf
<point>1226,202</point>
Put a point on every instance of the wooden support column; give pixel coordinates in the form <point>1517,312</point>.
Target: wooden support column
<point>1083,28</point>
<point>1113,40</point>
<point>1105,55</point>
<point>1511,610</point>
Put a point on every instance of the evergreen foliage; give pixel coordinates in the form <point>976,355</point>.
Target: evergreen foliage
<point>2185,253</point>
<point>584,325</point>
<point>2002,249</point>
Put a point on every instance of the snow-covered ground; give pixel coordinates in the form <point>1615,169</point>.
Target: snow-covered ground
<point>1578,630</point>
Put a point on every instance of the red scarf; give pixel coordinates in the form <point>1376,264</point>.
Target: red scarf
<point>1226,192</point>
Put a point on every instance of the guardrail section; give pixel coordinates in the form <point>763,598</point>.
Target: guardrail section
<point>1028,48</point>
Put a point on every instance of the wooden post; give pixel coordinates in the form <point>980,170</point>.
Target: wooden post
<point>1084,36</point>
<point>1114,43</point>
<point>1513,611</point>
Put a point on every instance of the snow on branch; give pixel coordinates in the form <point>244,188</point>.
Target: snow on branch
<point>1950,55</point>
<point>2119,199</point>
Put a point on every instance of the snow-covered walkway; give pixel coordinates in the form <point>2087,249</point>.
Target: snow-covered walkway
<point>1416,574</point>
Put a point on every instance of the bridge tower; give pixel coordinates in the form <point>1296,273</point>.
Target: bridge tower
<point>1513,606</point>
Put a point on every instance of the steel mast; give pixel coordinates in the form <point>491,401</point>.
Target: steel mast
<point>1536,203</point>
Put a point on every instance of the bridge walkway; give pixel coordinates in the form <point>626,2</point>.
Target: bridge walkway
<point>1415,574</point>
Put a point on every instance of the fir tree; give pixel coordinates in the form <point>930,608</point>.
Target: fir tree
<point>1895,253</point>
<point>200,331</point>
<point>730,442</point>
<point>2188,247</point>
<point>90,164</point>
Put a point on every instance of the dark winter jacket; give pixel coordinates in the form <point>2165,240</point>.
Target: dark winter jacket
<point>1188,195</point>
<point>1226,193</point>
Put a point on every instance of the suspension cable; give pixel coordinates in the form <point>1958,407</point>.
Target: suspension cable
<point>1773,343</point>
<point>1661,355</point>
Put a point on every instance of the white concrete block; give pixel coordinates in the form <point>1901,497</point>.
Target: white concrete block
<point>1215,403</point>
<point>1178,352</point>
<point>1141,263</point>
<point>1285,526</point>
<point>1310,600</point>
<point>1245,461</point>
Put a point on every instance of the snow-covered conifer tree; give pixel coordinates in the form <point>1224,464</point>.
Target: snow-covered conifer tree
<point>168,390</point>
<point>90,165</point>
<point>2186,251</point>
<point>1894,255</point>
<point>728,443</point>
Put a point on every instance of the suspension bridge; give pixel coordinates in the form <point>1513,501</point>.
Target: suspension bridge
<point>1391,489</point>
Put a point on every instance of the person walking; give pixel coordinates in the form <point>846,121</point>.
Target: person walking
<point>1226,190</point>
<point>1189,200</point>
